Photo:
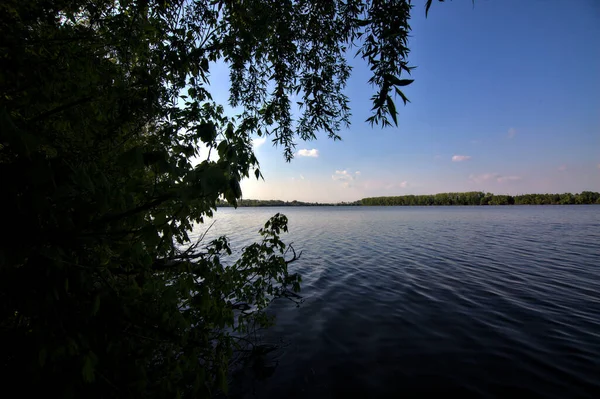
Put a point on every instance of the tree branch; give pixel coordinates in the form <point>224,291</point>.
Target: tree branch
<point>62,108</point>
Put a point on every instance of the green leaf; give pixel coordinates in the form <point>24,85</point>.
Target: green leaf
<point>403,82</point>
<point>222,380</point>
<point>160,218</point>
<point>427,5</point>
<point>397,81</point>
<point>207,132</point>
<point>404,98</point>
<point>88,371</point>
<point>96,305</point>
<point>204,64</point>
<point>392,109</point>
<point>223,148</point>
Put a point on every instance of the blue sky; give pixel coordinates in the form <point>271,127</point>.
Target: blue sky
<point>506,99</point>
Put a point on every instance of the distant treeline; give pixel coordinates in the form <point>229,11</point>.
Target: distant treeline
<point>256,203</point>
<point>480,198</point>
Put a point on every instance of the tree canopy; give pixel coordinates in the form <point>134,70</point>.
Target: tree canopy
<point>112,149</point>
<point>481,198</point>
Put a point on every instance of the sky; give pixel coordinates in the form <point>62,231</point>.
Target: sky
<point>506,99</point>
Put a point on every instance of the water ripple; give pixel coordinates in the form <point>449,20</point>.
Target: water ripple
<point>482,302</point>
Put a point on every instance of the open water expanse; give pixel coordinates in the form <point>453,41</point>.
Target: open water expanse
<point>415,301</point>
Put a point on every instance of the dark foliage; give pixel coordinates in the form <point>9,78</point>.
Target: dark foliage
<point>112,149</point>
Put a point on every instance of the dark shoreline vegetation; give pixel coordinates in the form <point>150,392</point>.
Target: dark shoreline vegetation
<point>252,203</point>
<point>442,199</point>
<point>480,198</point>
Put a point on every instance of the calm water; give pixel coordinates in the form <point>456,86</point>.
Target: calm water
<point>411,301</point>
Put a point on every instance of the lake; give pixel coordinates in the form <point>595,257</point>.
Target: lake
<point>415,301</point>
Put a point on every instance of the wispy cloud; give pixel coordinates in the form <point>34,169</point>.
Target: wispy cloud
<point>484,177</point>
<point>342,175</point>
<point>598,166</point>
<point>488,177</point>
<point>391,186</point>
<point>314,153</point>
<point>460,158</point>
<point>257,142</point>
<point>512,132</point>
<point>301,177</point>
<point>562,168</point>
<point>345,177</point>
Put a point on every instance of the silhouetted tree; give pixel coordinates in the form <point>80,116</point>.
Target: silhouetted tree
<point>108,122</point>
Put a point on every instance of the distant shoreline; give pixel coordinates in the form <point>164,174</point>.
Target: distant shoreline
<point>472,198</point>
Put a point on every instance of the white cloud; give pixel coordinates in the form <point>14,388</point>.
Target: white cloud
<point>512,132</point>
<point>486,177</point>
<point>299,178</point>
<point>483,178</point>
<point>562,168</point>
<point>257,142</point>
<point>345,177</point>
<point>392,186</point>
<point>460,158</point>
<point>342,175</point>
<point>314,153</point>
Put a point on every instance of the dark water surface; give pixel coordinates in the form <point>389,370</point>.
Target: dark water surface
<point>413,301</point>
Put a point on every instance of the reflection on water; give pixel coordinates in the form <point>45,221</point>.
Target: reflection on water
<point>480,301</point>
